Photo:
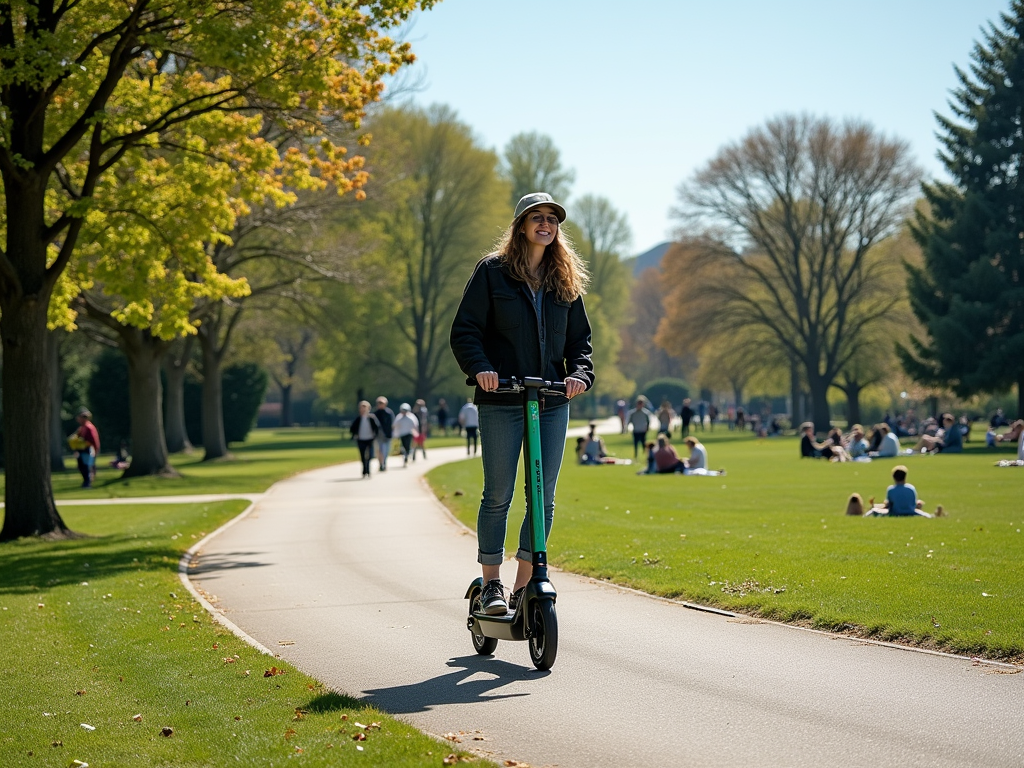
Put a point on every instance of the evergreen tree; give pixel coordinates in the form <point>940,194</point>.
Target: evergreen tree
<point>970,292</point>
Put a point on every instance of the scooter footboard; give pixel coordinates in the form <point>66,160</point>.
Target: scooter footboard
<point>498,627</point>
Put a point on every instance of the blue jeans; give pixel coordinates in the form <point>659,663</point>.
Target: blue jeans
<point>501,442</point>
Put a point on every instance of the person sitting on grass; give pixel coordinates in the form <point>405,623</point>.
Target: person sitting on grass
<point>590,449</point>
<point>652,466</point>
<point>857,445</point>
<point>832,448</point>
<point>949,440</point>
<point>698,454</point>
<point>1015,433</point>
<point>900,498</point>
<point>809,449</point>
<point>665,457</point>
<point>889,447</point>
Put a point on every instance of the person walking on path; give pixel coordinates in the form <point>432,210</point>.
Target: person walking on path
<point>665,416</point>
<point>406,427</point>
<point>364,429</point>
<point>686,415</point>
<point>386,419</point>
<point>442,416</point>
<point>419,440</point>
<point>522,314</point>
<point>620,411</point>
<point>87,453</point>
<point>640,421</point>
<point>469,419</point>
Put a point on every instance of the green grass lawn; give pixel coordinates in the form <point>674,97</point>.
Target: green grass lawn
<point>102,633</point>
<point>268,455</point>
<point>771,539</point>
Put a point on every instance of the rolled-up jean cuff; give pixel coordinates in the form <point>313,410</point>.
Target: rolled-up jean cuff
<point>490,558</point>
<point>525,555</point>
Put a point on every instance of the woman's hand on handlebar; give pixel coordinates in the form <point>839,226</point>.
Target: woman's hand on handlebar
<point>487,380</point>
<point>573,387</point>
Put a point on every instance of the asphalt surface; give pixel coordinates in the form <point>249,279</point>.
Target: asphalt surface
<point>360,583</point>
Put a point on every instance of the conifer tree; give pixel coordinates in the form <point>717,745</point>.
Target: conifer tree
<point>969,294</point>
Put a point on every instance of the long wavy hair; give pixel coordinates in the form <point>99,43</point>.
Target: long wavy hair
<point>565,274</point>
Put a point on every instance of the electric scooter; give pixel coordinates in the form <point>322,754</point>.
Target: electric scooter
<point>534,618</point>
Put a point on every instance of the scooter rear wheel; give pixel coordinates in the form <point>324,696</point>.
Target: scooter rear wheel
<point>483,645</point>
<point>544,634</point>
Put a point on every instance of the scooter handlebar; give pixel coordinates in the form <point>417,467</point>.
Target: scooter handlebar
<point>515,385</point>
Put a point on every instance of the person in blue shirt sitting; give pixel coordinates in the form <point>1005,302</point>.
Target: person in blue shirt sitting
<point>900,498</point>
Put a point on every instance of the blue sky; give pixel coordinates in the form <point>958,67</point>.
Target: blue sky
<point>639,95</point>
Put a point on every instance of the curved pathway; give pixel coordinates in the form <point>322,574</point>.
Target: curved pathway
<point>360,583</point>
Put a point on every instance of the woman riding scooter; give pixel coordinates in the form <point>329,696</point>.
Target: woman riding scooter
<point>522,315</point>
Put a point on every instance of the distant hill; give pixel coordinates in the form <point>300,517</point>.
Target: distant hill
<point>650,258</point>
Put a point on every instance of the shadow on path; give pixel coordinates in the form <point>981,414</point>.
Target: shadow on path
<point>209,565</point>
<point>453,687</point>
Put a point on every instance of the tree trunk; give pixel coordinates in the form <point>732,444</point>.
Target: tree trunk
<point>56,402</point>
<point>819,402</point>
<point>214,443</point>
<point>29,508</point>
<point>737,394</point>
<point>149,446</point>
<point>175,365</point>
<point>852,391</point>
<point>286,405</point>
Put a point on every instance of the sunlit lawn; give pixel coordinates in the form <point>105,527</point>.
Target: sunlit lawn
<point>109,649</point>
<point>771,538</point>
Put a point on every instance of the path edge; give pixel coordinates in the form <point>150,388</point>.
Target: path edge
<point>185,562</point>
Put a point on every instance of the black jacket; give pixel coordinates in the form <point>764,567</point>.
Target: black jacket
<point>386,418</point>
<point>353,428</point>
<point>497,329</point>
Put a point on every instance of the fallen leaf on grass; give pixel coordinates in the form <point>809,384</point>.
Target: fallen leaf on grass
<point>359,736</point>
<point>238,717</point>
<point>137,718</point>
<point>273,671</point>
<point>289,733</point>
<point>452,759</point>
<point>299,713</point>
<point>452,737</point>
<point>79,693</point>
<point>57,744</point>
<point>167,731</point>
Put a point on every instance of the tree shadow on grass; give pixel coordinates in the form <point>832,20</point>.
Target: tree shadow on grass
<point>28,566</point>
<point>453,687</point>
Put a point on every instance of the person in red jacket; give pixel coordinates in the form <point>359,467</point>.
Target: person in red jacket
<point>87,456</point>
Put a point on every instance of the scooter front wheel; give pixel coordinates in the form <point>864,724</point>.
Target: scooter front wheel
<point>543,634</point>
<point>483,645</point>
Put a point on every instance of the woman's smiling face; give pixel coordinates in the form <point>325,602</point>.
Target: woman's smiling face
<point>541,225</point>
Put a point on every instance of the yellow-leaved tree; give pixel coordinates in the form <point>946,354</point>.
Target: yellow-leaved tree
<point>95,97</point>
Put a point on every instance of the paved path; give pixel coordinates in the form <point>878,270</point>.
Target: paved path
<point>363,581</point>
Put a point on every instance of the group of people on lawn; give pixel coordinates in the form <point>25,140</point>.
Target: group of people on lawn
<point>661,455</point>
<point>884,443</point>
